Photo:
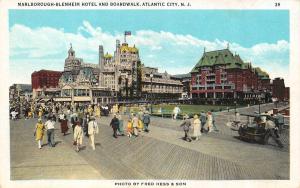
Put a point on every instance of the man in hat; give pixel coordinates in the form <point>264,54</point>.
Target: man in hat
<point>146,121</point>
<point>270,128</point>
<point>186,124</point>
<point>203,120</point>
<point>115,124</point>
<point>92,130</point>
<point>50,131</point>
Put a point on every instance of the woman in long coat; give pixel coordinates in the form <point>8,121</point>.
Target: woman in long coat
<point>196,127</point>
<point>39,132</point>
<point>64,125</point>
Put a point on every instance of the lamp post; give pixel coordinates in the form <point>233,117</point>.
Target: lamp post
<point>235,109</point>
<point>151,76</point>
<point>126,86</point>
<point>259,98</point>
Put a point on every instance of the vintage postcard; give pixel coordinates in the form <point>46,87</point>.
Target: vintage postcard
<point>149,93</point>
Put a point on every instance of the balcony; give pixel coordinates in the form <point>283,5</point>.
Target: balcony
<point>161,81</point>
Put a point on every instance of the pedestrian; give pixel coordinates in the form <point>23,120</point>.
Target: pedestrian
<point>129,128</point>
<point>92,130</point>
<point>176,111</point>
<point>85,122</point>
<point>14,114</point>
<point>140,125</point>
<point>140,114</point>
<point>203,120</point>
<point>115,124</point>
<point>135,124</point>
<point>29,114</point>
<point>73,122</point>
<point>213,114</point>
<point>64,124</point>
<point>146,121</point>
<point>270,128</point>
<point>97,111</point>
<point>61,116</point>
<point>186,124</point>
<point>209,121</point>
<point>50,131</point>
<point>121,125</point>
<point>39,132</point>
<point>279,121</point>
<point>78,136</point>
<point>196,127</point>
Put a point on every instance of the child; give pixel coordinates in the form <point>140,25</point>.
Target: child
<point>78,134</point>
<point>129,128</point>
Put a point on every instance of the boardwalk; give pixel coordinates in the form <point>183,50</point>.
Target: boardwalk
<point>160,154</point>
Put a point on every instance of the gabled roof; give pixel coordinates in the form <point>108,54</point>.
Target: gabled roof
<point>219,57</point>
<point>262,74</point>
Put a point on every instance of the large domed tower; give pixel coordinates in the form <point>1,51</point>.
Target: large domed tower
<point>72,63</point>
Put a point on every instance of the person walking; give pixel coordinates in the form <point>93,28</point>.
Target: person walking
<point>209,121</point>
<point>14,114</point>
<point>50,131</point>
<point>129,128</point>
<point>203,120</point>
<point>279,119</point>
<point>97,111</point>
<point>121,125</point>
<point>196,127</point>
<point>186,124</point>
<point>146,121</point>
<point>78,136</point>
<point>115,124</point>
<point>213,114</point>
<point>85,122</point>
<point>270,128</point>
<point>176,111</point>
<point>39,132</point>
<point>135,124</point>
<point>92,130</point>
<point>64,124</point>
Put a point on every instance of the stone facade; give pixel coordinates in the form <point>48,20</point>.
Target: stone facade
<point>124,73</point>
<point>79,82</point>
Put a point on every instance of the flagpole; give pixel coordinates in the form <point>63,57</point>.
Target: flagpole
<point>125,37</point>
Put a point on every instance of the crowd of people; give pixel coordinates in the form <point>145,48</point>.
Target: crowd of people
<point>81,119</point>
<point>78,120</point>
<point>198,125</point>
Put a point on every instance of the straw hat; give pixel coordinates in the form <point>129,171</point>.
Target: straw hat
<point>195,116</point>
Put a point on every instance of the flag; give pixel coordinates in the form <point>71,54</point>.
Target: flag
<point>127,32</point>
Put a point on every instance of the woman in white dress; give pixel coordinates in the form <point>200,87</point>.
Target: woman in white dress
<point>196,127</point>
<point>78,136</point>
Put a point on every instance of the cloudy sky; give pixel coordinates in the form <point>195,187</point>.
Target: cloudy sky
<point>171,40</point>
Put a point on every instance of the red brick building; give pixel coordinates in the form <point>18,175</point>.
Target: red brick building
<point>279,91</point>
<point>44,81</point>
<point>221,74</point>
